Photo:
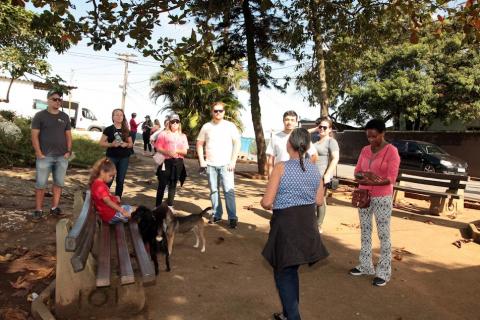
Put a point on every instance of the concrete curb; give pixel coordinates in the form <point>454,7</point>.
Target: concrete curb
<point>39,309</point>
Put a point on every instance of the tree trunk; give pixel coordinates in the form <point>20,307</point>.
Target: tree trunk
<point>254,89</point>
<point>7,98</point>
<point>319,56</point>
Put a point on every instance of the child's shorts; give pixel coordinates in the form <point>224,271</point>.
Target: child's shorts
<point>119,217</point>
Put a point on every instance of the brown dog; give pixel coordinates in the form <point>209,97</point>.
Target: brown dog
<point>182,224</point>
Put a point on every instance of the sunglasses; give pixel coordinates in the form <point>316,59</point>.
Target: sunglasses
<point>56,99</point>
<point>218,111</point>
<point>323,127</point>
<point>174,121</point>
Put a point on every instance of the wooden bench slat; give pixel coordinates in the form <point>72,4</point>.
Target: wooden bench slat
<point>144,262</point>
<point>104,257</point>
<point>72,239</point>
<point>126,270</point>
<point>427,192</point>
<point>437,183</point>
<point>80,256</point>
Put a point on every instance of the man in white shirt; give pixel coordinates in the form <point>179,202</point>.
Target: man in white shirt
<point>277,147</point>
<point>221,140</point>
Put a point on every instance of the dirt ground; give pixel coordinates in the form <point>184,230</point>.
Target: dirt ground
<point>436,273</point>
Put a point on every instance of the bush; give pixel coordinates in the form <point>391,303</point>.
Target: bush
<point>86,151</point>
<point>16,148</point>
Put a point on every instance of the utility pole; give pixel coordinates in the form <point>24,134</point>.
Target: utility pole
<point>125,57</point>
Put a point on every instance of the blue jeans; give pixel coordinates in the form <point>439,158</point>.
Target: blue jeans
<point>121,164</point>
<point>288,290</point>
<point>220,175</point>
<point>118,217</point>
<point>56,165</point>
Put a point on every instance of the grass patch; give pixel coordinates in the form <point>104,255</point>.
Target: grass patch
<point>86,151</point>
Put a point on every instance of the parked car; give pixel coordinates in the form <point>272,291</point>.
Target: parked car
<point>420,155</point>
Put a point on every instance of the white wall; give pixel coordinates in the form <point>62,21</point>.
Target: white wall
<point>22,95</point>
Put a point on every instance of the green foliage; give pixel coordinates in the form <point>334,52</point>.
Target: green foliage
<point>8,115</point>
<point>86,151</point>
<point>23,50</point>
<point>17,150</point>
<point>416,83</point>
<point>192,83</point>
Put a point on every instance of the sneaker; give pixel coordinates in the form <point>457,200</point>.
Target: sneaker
<point>355,272</point>
<point>232,224</point>
<point>57,212</point>
<point>379,282</point>
<point>214,220</point>
<point>279,316</point>
<point>37,215</point>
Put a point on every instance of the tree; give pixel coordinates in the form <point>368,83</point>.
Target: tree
<point>249,29</point>
<point>192,83</point>
<point>416,83</point>
<point>21,51</point>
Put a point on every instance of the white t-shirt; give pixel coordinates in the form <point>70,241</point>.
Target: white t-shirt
<point>218,139</point>
<point>277,147</point>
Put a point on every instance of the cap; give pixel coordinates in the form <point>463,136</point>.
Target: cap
<point>174,116</point>
<point>51,92</point>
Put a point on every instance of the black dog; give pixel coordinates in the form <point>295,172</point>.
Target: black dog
<point>151,225</point>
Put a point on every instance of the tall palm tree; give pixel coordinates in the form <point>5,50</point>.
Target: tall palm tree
<point>190,84</point>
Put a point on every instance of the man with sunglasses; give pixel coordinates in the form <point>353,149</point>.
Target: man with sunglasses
<point>221,140</point>
<point>52,142</point>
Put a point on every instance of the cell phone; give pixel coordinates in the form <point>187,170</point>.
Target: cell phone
<point>358,175</point>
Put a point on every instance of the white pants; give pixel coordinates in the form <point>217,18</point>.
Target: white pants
<point>381,208</point>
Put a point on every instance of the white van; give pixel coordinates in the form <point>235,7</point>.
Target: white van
<point>84,119</point>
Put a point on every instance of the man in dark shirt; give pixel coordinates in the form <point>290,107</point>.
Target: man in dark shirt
<point>52,142</point>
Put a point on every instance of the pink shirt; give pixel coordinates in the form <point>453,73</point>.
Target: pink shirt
<point>384,164</point>
<point>170,142</point>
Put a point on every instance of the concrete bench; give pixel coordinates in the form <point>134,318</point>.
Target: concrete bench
<point>94,267</point>
<point>447,200</point>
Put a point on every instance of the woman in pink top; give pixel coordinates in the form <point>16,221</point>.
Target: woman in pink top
<point>376,170</point>
<point>173,144</point>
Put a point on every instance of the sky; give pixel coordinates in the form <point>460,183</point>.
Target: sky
<point>98,76</point>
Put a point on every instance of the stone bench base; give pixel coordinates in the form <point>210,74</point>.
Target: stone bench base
<point>76,294</point>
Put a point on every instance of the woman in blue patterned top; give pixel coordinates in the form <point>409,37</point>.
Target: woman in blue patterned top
<point>294,190</point>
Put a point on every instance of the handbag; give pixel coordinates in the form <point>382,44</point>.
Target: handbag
<point>158,158</point>
<point>361,198</point>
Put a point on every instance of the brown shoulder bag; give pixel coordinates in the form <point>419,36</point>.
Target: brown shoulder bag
<point>361,198</point>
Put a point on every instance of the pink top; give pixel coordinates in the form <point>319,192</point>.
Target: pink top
<point>170,141</point>
<point>384,164</point>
